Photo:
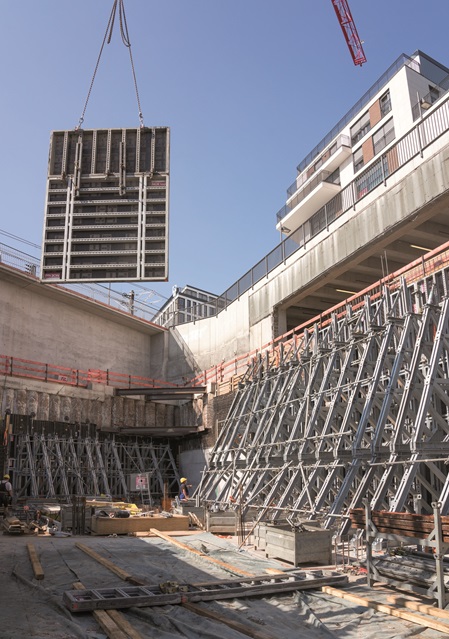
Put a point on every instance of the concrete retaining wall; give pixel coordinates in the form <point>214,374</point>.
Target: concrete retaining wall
<point>45,324</point>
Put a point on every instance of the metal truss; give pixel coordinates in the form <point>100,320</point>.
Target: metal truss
<point>357,408</point>
<point>54,466</point>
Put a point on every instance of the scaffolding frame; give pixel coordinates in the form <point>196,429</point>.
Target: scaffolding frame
<point>54,466</point>
<point>354,408</point>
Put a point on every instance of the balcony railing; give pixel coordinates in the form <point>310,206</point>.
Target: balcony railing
<point>342,140</point>
<point>323,176</point>
<point>430,98</point>
<point>429,129</point>
<point>381,82</point>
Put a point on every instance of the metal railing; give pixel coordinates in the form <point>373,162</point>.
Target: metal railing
<point>342,140</point>
<point>403,60</point>
<point>128,302</point>
<point>229,373</point>
<point>424,133</point>
<point>46,372</point>
<point>319,178</point>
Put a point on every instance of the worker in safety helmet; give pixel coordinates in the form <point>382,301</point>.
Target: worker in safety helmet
<point>5,492</point>
<point>184,489</point>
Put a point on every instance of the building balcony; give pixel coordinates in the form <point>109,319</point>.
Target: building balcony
<point>330,160</point>
<point>315,194</point>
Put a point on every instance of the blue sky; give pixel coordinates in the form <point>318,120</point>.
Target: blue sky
<point>247,87</point>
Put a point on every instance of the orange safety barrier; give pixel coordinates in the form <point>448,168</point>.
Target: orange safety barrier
<point>18,367</point>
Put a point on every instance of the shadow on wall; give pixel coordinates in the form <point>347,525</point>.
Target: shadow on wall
<point>191,465</point>
<point>171,358</point>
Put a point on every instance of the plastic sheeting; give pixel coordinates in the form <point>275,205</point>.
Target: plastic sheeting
<point>31,608</point>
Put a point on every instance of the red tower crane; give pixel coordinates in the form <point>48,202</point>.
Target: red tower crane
<point>349,31</point>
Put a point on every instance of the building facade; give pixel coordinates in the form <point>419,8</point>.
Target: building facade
<point>187,304</point>
<point>339,166</point>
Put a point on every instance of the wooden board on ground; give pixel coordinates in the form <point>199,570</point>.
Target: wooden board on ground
<point>114,624</point>
<point>169,533</point>
<point>35,563</point>
<point>236,625</point>
<point>389,610</point>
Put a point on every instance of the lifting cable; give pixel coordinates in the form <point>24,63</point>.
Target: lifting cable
<point>107,39</point>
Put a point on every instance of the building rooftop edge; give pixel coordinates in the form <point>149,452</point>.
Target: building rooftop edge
<point>400,62</point>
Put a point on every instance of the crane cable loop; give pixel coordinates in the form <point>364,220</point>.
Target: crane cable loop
<point>106,40</point>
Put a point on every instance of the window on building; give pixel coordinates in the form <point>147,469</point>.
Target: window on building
<point>357,158</point>
<point>334,177</point>
<point>360,128</point>
<point>434,94</point>
<point>385,103</point>
<point>383,136</point>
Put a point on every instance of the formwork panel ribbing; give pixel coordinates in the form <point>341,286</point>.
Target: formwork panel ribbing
<point>107,205</point>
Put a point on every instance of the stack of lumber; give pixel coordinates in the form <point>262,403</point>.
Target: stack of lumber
<point>13,526</point>
<point>402,524</point>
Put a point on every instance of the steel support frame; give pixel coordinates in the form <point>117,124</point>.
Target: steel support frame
<point>357,408</point>
<point>51,466</point>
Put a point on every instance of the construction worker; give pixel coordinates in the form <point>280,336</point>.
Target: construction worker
<point>184,491</point>
<point>5,492</point>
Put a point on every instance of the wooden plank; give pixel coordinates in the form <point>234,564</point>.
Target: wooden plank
<point>170,533</point>
<point>399,521</point>
<point>406,533</point>
<point>419,606</point>
<point>103,618</point>
<point>203,555</point>
<point>195,521</point>
<point>389,610</point>
<point>124,624</point>
<point>360,513</point>
<point>112,567</point>
<point>235,625</point>
<point>35,563</point>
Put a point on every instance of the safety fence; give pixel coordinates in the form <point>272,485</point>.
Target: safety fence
<point>17,367</point>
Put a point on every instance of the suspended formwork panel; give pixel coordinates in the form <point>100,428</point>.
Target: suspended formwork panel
<point>107,206</point>
<point>354,408</point>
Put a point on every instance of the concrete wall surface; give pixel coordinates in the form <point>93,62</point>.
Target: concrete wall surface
<point>42,323</point>
<point>97,405</point>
